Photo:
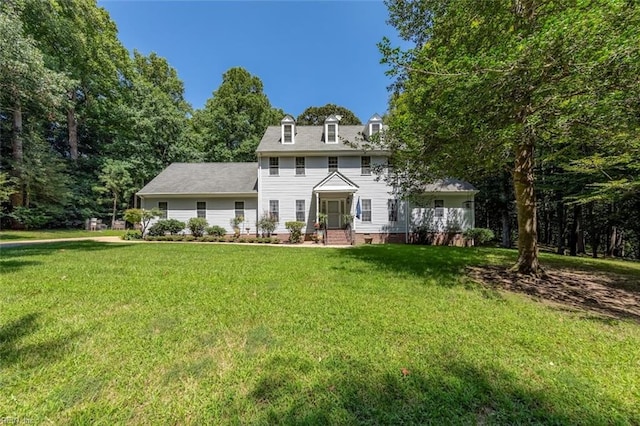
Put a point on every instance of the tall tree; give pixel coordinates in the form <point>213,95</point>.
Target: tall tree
<point>26,86</point>
<point>315,116</point>
<point>489,83</point>
<point>235,117</point>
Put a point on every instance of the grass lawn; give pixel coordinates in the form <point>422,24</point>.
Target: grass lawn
<point>51,234</point>
<point>97,333</point>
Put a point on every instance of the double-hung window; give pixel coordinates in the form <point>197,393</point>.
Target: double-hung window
<point>333,164</point>
<point>274,210</point>
<point>288,133</point>
<point>300,212</point>
<point>392,206</point>
<point>332,132</point>
<point>439,206</point>
<point>163,207</point>
<point>201,209</point>
<point>366,210</point>
<point>239,209</point>
<point>274,166</point>
<point>365,166</point>
<point>300,166</point>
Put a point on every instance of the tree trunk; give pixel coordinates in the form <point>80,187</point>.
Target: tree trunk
<point>575,230</point>
<point>523,179</point>
<point>72,124</point>
<point>506,229</point>
<point>113,215</point>
<point>561,223</point>
<point>17,198</point>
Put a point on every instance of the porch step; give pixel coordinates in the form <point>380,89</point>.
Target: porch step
<point>337,237</point>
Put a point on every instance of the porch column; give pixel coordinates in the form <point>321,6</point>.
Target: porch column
<point>317,206</point>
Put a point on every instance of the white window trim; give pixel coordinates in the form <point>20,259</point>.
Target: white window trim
<point>373,132</point>
<point>164,212</point>
<point>303,211</point>
<point>362,166</point>
<point>198,209</point>
<point>277,173</point>
<point>236,209</point>
<point>284,142</point>
<point>337,164</point>
<point>326,132</point>
<point>370,210</point>
<point>304,169</point>
<point>277,211</point>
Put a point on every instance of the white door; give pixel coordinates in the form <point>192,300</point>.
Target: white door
<point>334,215</point>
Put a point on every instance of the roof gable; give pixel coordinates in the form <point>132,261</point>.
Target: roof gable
<point>335,182</point>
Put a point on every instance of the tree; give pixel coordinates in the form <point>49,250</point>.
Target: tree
<point>26,84</point>
<point>491,83</point>
<point>141,216</point>
<point>315,116</point>
<point>234,118</point>
<point>116,180</point>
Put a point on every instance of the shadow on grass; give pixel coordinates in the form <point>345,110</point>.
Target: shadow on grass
<point>33,354</point>
<point>430,262</point>
<point>453,393</point>
<point>10,256</point>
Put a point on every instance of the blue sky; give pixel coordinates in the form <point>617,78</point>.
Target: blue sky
<point>307,53</point>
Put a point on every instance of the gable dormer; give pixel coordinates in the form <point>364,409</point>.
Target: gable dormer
<point>331,129</point>
<point>374,125</point>
<point>288,125</point>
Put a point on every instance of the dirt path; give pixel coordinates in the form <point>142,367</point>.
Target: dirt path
<point>614,295</point>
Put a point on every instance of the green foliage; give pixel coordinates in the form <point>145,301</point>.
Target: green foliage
<point>197,226</point>
<point>234,118</point>
<point>480,236</point>
<point>267,224</point>
<point>132,234</point>
<point>295,231</point>
<point>35,217</point>
<point>141,216</point>
<point>216,231</point>
<point>161,227</point>
<point>236,221</point>
<point>315,116</point>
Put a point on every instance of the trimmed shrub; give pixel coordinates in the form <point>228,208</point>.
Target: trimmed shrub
<point>197,225</point>
<point>480,236</point>
<point>132,235</point>
<point>267,224</point>
<point>216,231</point>
<point>295,231</point>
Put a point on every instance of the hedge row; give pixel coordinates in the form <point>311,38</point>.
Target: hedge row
<point>213,239</point>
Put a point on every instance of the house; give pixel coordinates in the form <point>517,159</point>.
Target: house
<point>303,171</point>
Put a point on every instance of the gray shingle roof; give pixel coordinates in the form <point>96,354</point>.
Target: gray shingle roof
<point>204,178</point>
<point>310,138</point>
<point>448,185</point>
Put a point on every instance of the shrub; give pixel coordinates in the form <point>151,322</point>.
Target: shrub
<point>479,236</point>
<point>216,231</point>
<point>267,224</point>
<point>132,235</point>
<point>295,231</point>
<point>197,225</point>
<point>161,227</point>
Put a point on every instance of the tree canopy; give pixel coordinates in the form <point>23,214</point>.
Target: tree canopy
<point>508,85</point>
<point>315,116</point>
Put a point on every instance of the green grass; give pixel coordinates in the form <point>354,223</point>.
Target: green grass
<point>95,333</point>
<point>54,234</point>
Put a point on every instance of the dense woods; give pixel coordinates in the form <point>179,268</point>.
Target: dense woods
<point>537,103</point>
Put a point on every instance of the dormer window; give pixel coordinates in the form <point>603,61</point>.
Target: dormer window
<point>374,125</point>
<point>288,130</point>
<point>332,133</point>
<point>331,129</point>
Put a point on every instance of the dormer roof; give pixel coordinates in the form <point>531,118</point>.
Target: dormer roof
<point>375,118</point>
<point>332,119</point>
<point>288,120</point>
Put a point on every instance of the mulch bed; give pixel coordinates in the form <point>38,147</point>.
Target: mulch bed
<point>613,295</point>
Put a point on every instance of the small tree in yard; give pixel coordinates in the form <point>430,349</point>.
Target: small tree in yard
<point>197,226</point>
<point>267,224</point>
<point>141,216</point>
<point>295,231</point>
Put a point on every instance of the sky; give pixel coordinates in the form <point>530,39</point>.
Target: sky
<point>307,53</point>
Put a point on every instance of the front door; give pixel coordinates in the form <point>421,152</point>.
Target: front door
<point>334,215</point>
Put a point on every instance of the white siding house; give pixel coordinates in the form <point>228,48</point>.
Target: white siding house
<point>303,171</point>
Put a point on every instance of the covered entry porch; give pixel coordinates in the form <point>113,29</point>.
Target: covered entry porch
<point>334,197</point>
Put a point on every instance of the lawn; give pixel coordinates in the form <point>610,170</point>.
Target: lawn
<point>52,234</point>
<point>205,334</point>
